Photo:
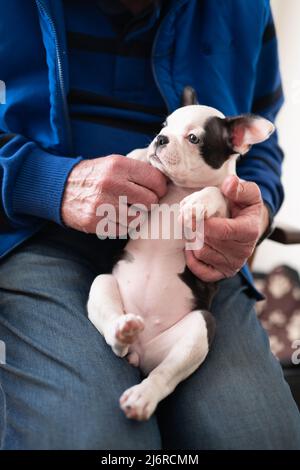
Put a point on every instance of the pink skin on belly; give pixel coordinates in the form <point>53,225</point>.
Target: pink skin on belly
<point>149,283</point>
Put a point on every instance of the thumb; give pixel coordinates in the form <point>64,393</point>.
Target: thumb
<point>241,192</point>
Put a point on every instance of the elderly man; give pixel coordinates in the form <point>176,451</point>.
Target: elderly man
<point>87,82</point>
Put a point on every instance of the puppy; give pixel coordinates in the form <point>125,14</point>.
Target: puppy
<point>151,309</point>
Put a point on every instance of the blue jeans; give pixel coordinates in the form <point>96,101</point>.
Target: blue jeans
<point>61,384</point>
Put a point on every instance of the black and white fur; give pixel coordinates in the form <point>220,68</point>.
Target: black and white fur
<point>151,309</point>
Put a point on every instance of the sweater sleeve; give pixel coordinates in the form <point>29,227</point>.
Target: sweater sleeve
<point>263,163</point>
<point>32,182</point>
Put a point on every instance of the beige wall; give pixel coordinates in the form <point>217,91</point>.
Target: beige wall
<point>287,20</point>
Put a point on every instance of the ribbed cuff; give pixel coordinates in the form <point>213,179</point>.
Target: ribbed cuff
<point>269,229</point>
<point>40,184</point>
<point>267,198</point>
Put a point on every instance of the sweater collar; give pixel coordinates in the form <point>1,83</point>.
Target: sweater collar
<point>116,7</point>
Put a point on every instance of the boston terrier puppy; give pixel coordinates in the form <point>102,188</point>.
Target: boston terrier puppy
<point>151,309</point>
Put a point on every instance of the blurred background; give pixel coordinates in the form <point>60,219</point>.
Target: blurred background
<point>276,266</point>
<point>287,20</point>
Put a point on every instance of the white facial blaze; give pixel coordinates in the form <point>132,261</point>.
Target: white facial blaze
<point>181,160</point>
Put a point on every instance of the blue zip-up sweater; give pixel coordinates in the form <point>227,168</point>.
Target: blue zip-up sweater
<point>225,49</point>
<point>112,89</point>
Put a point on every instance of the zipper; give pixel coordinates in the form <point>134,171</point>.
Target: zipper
<point>62,88</point>
<point>152,58</point>
<point>154,71</point>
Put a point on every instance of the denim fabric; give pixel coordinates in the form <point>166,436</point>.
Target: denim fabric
<point>61,383</point>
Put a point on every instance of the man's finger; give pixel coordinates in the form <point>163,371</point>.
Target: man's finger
<point>209,256</point>
<point>241,250</point>
<point>241,229</point>
<point>243,193</point>
<point>147,176</point>
<point>137,194</point>
<point>201,270</point>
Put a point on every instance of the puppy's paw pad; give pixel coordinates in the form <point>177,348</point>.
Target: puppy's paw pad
<point>139,402</point>
<point>128,327</point>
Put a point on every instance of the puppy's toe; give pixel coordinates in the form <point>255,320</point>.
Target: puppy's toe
<point>191,215</point>
<point>128,327</point>
<point>139,402</point>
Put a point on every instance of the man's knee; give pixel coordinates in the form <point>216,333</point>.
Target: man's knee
<point>82,414</point>
<point>106,429</point>
<point>238,398</point>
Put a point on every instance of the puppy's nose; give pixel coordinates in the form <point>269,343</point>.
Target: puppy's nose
<point>162,140</point>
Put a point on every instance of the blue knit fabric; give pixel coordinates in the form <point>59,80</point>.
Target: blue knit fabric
<point>58,110</point>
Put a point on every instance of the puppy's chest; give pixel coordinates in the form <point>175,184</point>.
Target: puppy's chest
<point>148,273</point>
<point>161,229</point>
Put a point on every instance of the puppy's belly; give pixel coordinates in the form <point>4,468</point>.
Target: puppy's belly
<point>153,352</point>
<point>150,286</point>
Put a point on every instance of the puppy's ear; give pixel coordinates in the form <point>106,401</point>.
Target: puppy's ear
<point>247,130</point>
<point>189,96</point>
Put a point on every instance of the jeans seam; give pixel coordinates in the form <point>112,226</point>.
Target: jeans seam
<point>3,433</point>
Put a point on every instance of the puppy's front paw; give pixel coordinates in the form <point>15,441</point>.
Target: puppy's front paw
<point>206,203</point>
<point>191,212</point>
<point>123,332</point>
<point>139,402</point>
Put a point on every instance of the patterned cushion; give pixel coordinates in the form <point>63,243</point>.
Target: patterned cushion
<point>280,312</point>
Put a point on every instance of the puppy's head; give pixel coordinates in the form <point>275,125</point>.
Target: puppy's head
<point>197,142</point>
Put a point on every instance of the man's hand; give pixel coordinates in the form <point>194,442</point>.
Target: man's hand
<point>228,243</point>
<point>101,181</point>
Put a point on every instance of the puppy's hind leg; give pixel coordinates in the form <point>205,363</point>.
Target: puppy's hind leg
<point>189,342</point>
<point>106,312</point>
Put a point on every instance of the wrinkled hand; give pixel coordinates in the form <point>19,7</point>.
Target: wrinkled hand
<point>101,181</point>
<point>228,243</point>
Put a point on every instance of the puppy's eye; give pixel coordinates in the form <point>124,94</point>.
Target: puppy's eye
<point>193,139</point>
